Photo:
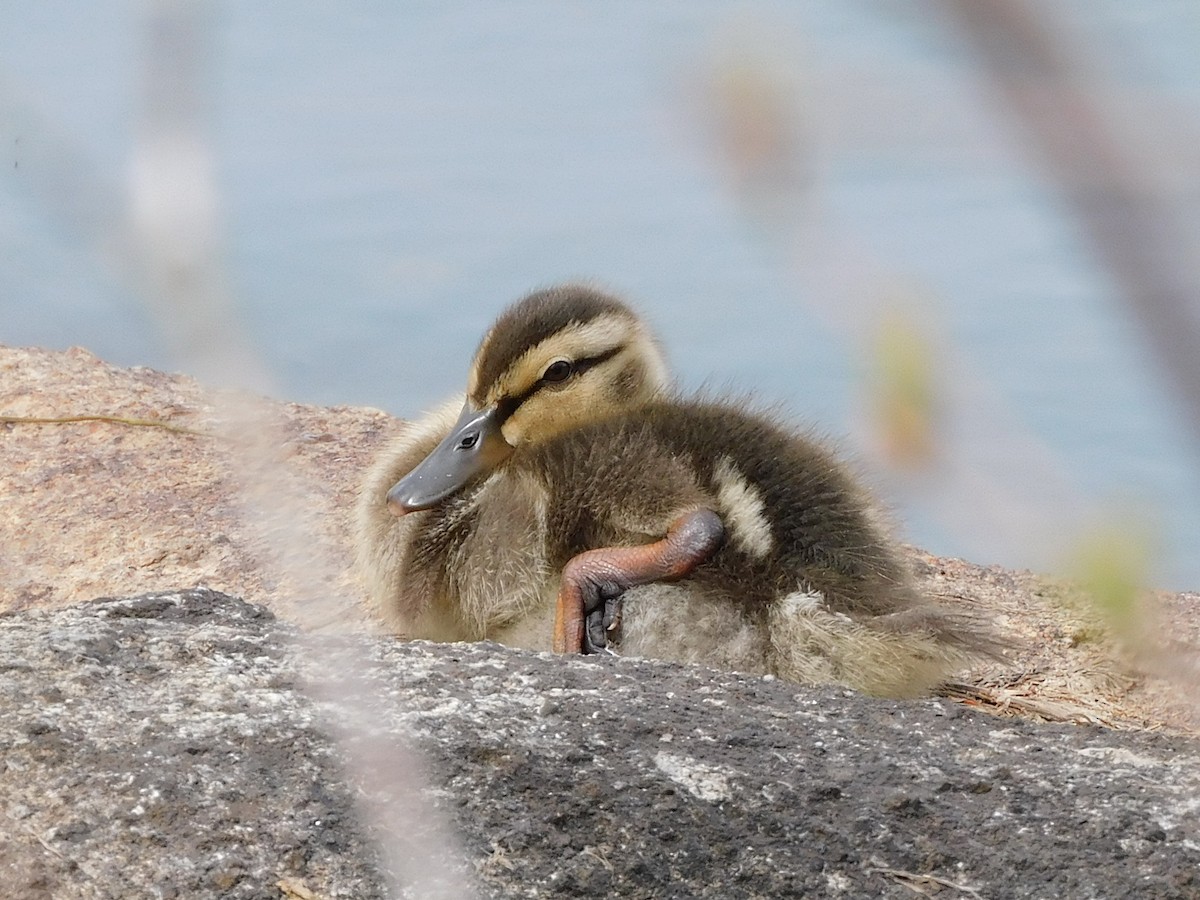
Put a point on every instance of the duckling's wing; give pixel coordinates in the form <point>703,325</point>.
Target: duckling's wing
<point>617,484</point>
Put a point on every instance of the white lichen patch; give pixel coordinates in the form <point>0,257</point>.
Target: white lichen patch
<point>1185,811</point>
<point>838,883</point>
<point>1120,756</point>
<point>701,780</point>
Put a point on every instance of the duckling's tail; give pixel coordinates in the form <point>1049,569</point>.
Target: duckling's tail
<point>900,655</point>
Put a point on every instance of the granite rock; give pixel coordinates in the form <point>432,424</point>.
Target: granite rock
<point>96,505</point>
<point>177,745</point>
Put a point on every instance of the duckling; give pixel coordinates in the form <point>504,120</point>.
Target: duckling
<point>572,500</point>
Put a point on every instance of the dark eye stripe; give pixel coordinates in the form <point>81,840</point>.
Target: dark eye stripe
<point>508,405</point>
<point>584,364</point>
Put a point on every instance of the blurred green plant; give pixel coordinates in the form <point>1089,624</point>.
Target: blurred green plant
<point>903,392</point>
<point>1111,562</point>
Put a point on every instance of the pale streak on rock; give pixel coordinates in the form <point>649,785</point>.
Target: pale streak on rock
<point>705,782</point>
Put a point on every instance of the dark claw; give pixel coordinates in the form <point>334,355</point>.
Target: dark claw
<point>612,616</point>
<point>603,618</point>
<point>594,638</point>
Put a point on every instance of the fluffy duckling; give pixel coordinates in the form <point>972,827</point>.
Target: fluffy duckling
<point>576,502</point>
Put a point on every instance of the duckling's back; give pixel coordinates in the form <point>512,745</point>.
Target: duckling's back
<point>793,514</point>
<point>807,582</point>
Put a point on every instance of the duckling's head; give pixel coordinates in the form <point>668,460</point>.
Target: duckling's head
<point>556,360</point>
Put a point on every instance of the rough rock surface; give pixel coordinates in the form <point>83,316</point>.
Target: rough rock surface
<point>105,508</point>
<point>163,746</point>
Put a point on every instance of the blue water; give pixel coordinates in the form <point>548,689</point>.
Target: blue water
<point>392,174</point>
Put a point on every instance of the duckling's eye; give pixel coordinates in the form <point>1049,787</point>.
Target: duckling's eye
<point>559,370</point>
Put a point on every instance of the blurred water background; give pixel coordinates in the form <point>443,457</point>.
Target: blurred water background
<point>388,176</point>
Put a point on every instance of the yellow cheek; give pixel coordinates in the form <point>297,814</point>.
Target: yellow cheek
<point>514,435</point>
<point>551,412</point>
<point>535,421</point>
<point>541,417</point>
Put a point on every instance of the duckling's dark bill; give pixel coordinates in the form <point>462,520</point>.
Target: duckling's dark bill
<point>473,448</point>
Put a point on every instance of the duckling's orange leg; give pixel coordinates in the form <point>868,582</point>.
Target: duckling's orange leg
<point>589,600</point>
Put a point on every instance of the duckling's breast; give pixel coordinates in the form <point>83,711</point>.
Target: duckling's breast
<point>485,550</point>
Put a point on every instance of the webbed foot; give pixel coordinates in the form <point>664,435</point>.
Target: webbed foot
<point>589,601</point>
